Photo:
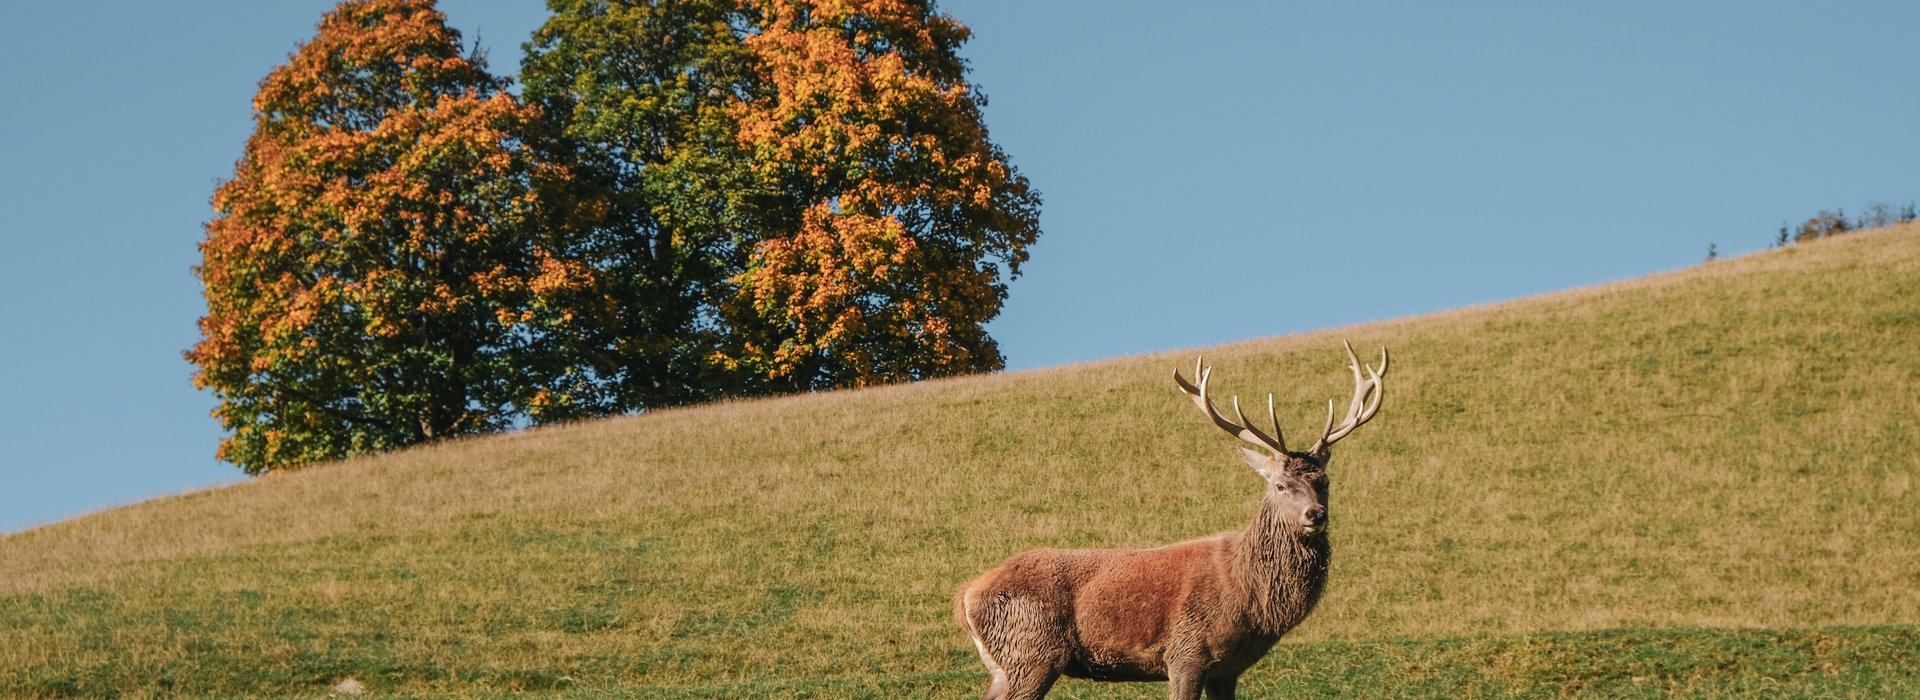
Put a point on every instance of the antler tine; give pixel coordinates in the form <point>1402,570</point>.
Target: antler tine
<point>1274,441</point>
<point>1320,446</point>
<point>1379,389</point>
<point>1368,393</point>
<point>1244,432</point>
<point>1371,407</point>
<point>1359,397</point>
<point>1278,436</point>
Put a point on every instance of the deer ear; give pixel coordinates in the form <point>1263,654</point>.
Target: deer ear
<point>1261,462</point>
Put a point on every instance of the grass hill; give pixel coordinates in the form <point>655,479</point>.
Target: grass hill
<point>1701,482</point>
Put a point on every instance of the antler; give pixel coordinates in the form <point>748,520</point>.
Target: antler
<point>1367,393</point>
<point>1277,443</point>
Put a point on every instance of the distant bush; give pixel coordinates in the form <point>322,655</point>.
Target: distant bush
<point>1876,215</point>
<point>1826,223</point>
<point>1833,223</point>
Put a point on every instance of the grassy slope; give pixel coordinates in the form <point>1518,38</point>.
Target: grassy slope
<point>1698,482</point>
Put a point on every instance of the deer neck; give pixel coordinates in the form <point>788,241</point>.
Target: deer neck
<point>1284,573</point>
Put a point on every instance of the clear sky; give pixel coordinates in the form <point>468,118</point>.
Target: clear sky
<point>1216,172</point>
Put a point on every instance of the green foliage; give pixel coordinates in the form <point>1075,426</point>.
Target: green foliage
<point>634,98</point>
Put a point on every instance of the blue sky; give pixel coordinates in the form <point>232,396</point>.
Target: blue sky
<point>1218,172</point>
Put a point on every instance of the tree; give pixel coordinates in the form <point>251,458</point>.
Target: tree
<point>377,273</point>
<point>633,96</point>
<point>698,198</point>
<point>805,188</point>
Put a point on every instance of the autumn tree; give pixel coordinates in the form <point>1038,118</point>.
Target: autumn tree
<point>377,273</point>
<point>802,193</point>
<point>696,198</point>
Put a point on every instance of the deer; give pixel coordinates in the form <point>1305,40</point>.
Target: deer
<point>1196,614</point>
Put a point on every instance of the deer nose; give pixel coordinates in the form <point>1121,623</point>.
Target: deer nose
<point>1317,515</point>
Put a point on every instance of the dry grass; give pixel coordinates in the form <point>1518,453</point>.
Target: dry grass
<point>1729,446</point>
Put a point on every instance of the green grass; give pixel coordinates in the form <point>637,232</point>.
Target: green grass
<point>1699,483</point>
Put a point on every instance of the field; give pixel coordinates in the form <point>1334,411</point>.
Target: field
<point>1698,483</point>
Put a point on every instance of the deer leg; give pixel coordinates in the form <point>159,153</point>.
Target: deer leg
<point>997,690</point>
<point>1030,683</point>
<point>1022,645</point>
<point>1222,688</point>
<point>1183,684</point>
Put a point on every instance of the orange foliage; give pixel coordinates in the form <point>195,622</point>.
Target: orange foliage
<point>887,274</point>
<point>376,255</point>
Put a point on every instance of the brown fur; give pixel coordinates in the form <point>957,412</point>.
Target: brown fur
<point>1197,613</point>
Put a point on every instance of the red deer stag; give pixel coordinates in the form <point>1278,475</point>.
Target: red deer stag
<point>1197,613</point>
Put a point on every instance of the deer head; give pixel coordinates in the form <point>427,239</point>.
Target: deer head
<point>1297,480</point>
